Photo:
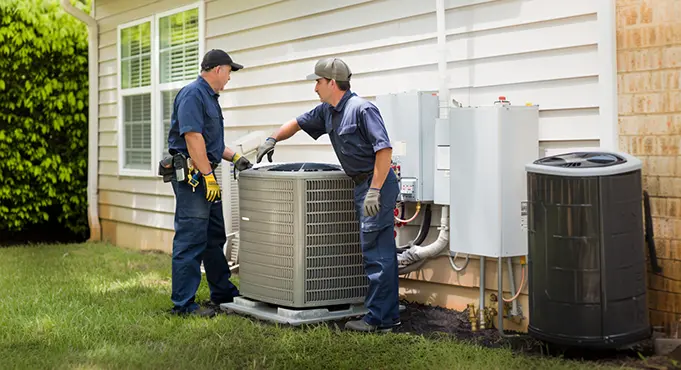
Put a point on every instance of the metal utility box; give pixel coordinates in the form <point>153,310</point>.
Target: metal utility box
<point>587,259</point>
<point>410,121</point>
<point>489,147</point>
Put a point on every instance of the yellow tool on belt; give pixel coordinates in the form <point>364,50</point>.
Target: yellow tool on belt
<point>194,175</point>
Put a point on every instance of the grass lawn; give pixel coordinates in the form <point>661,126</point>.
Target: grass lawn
<point>91,306</point>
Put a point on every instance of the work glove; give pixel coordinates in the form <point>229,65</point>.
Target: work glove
<point>240,162</point>
<point>266,148</point>
<point>372,202</point>
<point>212,188</point>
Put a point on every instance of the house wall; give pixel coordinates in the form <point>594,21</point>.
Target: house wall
<point>540,51</point>
<point>649,72</point>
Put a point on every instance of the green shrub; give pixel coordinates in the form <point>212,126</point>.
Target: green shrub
<point>43,116</point>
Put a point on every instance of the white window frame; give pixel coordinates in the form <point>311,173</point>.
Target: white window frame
<point>158,136</point>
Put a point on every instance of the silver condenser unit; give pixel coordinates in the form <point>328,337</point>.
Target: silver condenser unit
<point>299,236</point>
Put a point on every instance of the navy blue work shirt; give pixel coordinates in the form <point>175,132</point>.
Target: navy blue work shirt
<point>355,128</point>
<point>196,109</point>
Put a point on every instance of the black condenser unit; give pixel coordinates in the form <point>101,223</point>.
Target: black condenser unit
<point>586,258</point>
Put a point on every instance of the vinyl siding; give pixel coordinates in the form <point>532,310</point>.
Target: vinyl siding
<point>539,51</point>
<point>544,52</point>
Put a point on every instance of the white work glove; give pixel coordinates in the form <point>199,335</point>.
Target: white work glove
<point>372,202</point>
<point>266,148</point>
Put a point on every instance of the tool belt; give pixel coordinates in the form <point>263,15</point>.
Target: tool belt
<point>178,167</point>
<point>361,178</point>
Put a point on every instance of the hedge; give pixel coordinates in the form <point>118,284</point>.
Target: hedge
<point>43,116</point>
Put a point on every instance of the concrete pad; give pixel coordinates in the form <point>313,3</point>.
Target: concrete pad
<point>292,316</point>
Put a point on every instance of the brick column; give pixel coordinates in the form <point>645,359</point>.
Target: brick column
<point>649,71</point>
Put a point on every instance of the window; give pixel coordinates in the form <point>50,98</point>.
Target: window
<point>179,59</point>
<point>168,97</point>
<point>135,49</point>
<point>157,57</point>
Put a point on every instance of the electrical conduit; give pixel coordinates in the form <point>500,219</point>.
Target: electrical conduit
<point>500,301</point>
<point>514,299</point>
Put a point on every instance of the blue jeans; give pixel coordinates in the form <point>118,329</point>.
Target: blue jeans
<point>199,236</point>
<point>379,252</point>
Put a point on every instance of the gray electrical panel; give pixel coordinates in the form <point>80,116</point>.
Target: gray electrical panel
<point>410,120</point>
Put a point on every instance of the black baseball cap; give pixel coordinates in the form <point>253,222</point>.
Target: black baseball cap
<point>217,57</point>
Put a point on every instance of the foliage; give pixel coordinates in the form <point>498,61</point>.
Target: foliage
<point>43,116</point>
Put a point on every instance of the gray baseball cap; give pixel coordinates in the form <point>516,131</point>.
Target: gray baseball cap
<point>331,69</point>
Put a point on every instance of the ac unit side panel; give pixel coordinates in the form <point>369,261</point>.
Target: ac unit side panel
<point>267,250</point>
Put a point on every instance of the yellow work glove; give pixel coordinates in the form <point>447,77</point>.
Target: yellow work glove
<point>212,187</point>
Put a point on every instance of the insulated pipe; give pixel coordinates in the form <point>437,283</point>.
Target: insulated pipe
<point>422,234</point>
<point>425,226</point>
<point>408,269</point>
<point>93,116</point>
<point>418,253</point>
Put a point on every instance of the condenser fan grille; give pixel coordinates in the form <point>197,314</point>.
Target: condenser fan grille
<point>338,273</point>
<point>582,159</point>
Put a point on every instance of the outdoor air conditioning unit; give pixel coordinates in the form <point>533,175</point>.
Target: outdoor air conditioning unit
<point>299,236</point>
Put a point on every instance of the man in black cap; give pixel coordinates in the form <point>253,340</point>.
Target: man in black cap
<point>197,132</point>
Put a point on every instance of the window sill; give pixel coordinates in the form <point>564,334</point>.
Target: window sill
<point>125,172</point>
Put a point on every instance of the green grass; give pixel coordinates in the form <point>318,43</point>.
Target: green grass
<point>97,306</point>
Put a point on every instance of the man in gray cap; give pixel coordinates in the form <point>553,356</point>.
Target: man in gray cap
<point>363,148</point>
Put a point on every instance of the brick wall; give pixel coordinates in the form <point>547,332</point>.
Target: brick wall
<point>649,72</point>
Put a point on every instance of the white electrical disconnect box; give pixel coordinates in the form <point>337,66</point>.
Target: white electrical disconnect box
<point>489,148</point>
<point>410,121</point>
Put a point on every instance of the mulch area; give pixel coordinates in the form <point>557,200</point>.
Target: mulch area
<point>434,322</point>
<point>440,323</point>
